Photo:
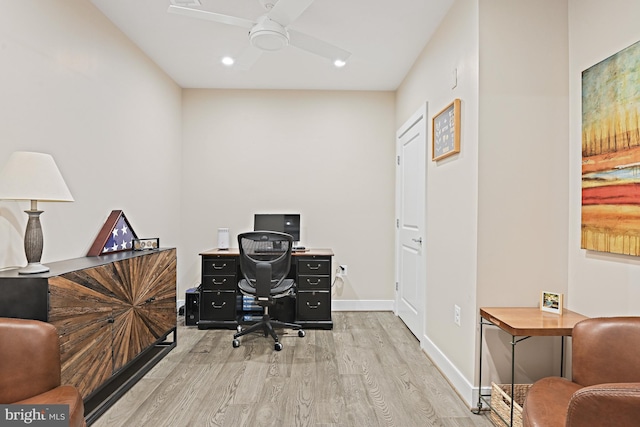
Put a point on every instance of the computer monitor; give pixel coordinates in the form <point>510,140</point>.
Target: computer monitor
<point>284,223</point>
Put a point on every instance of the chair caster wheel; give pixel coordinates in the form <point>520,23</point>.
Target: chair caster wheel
<point>301,333</point>
<point>278,346</point>
<point>236,343</point>
<point>238,328</point>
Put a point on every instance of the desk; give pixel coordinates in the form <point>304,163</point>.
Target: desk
<point>221,304</point>
<point>525,322</point>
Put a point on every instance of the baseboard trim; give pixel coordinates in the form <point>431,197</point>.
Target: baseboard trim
<point>360,305</point>
<point>466,390</point>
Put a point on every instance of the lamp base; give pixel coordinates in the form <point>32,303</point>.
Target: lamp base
<point>33,268</point>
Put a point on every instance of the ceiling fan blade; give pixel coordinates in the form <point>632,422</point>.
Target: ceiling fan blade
<point>211,16</point>
<point>247,58</point>
<point>311,44</point>
<point>287,11</point>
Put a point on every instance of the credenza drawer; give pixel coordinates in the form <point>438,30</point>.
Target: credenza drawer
<point>217,305</point>
<point>215,266</point>
<point>314,283</point>
<point>314,305</point>
<point>226,282</point>
<point>313,266</point>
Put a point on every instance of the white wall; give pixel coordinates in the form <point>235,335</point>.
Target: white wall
<point>496,213</point>
<point>326,155</point>
<point>599,284</point>
<point>523,179</point>
<point>451,187</point>
<point>73,86</point>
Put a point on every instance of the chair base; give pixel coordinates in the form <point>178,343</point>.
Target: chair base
<point>267,326</point>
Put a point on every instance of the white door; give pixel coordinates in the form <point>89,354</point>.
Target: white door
<point>411,141</point>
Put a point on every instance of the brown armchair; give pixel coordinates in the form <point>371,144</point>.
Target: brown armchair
<point>30,368</point>
<point>605,390</point>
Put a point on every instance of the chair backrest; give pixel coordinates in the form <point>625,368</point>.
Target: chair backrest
<point>29,359</point>
<point>265,247</point>
<point>605,350</point>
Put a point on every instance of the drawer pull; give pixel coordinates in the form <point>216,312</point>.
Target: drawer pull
<point>213,304</point>
<point>313,307</point>
<point>222,282</point>
<point>215,266</point>
<point>111,320</point>
<point>317,267</point>
<point>317,282</point>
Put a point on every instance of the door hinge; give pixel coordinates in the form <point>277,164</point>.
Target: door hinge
<point>396,286</point>
<point>397,223</point>
<point>398,159</point>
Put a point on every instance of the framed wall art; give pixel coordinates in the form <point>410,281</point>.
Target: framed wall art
<point>611,154</point>
<point>445,132</point>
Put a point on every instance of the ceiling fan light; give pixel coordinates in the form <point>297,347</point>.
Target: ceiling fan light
<point>268,35</point>
<point>269,40</point>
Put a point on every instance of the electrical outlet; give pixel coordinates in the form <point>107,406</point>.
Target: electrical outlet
<point>456,315</point>
<point>343,270</point>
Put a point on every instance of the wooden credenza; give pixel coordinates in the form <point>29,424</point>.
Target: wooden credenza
<point>114,314</point>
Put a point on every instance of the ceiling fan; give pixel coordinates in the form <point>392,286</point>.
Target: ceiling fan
<point>270,32</point>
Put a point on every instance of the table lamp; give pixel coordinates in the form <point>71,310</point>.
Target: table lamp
<point>34,177</point>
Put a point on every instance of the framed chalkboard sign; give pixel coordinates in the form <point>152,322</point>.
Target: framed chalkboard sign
<point>445,132</point>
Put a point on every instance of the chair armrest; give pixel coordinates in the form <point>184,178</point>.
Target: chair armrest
<point>29,359</point>
<point>615,404</point>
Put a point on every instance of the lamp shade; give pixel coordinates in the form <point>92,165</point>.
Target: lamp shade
<point>33,176</point>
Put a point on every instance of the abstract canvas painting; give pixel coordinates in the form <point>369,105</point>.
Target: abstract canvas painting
<point>611,154</point>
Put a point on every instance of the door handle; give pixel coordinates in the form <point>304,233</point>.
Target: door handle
<point>418,240</point>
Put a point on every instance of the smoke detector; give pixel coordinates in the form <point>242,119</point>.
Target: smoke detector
<point>268,4</point>
<point>186,3</point>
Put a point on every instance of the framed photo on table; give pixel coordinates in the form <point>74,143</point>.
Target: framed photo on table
<point>551,302</point>
<point>445,132</point>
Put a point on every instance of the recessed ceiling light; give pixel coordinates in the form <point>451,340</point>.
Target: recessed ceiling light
<point>228,61</point>
<point>339,63</point>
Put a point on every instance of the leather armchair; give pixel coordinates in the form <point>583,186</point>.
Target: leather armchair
<point>605,385</point>
<point>30,368</point>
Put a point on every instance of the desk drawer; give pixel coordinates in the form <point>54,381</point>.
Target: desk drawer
<point>314,283</point>
<point>314,305</point>
<point>215,266</point>
<point>221,282</point>
<point>217,305</point>
<point>313,266</point>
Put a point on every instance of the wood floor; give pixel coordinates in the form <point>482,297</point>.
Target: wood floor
<point>368,371</point>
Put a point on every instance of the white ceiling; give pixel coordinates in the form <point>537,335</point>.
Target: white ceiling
<point>384,38</point>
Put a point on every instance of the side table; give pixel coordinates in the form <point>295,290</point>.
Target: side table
<point>524,322</point>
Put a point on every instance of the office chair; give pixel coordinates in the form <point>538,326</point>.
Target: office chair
<point>265,260</point>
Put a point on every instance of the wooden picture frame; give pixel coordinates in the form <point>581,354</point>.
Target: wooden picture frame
<point>105,242</point>
<point>445,132</point>
<point>551,302</point>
